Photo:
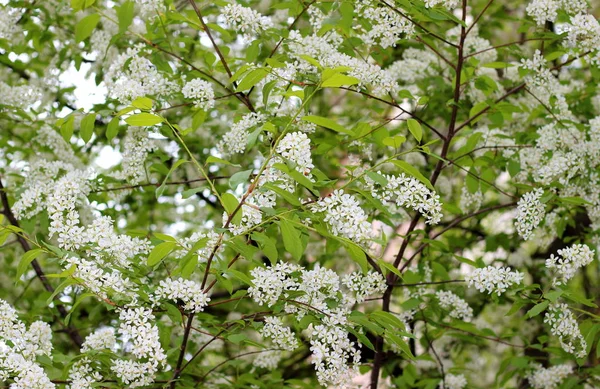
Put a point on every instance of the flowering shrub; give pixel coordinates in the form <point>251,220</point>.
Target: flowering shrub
<point>299,194</point>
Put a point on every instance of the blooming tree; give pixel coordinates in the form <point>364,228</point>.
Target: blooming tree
<point>300,193</point>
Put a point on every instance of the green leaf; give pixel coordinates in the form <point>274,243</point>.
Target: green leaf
<point>26,259</point>
<point>267,245</point>
<point>398,341</point>
<point>87,127</point>
<point>287,196</point>
<point>230,203</point>
<point>142,103</point>
<point>239,178</point>
<point>159,252</point>
<point>252,78</point>
<point>240,276</point>
<point>415,129</point>
<point>125,15</point>
<point>212,159</point>
<point>357,255</point>
<point>412,171</point>
<point>85,27</point>
<point>337,80</point>
<point>395,141</point>
<point>327,123</point>
<point>538,308</point>
<point>161,189</point>
<point>113,128</point>
<point>291,239</point>
<point>66,130</point>
<point>144,119</point>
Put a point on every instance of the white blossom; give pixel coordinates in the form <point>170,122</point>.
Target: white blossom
<point>135,149</point>
<point>295,147</point>
<point>568,261</point>
<point>563,324</point>
<point>245,20</point>
<point>459,308</point>
<point>530,213</point>
<point>200,92</point>
<point>188,291</point>
<point>282,336</point>
<point>364,285</point>
<point>493,279</point>
<point>454,381</point>
<point>549,378</point>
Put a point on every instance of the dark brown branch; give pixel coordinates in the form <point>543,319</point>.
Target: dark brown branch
<point>158,184</point>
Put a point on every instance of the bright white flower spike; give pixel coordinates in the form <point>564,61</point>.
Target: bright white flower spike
<point>549,378</point>
<point>454,381</point>
<point>459,308</point>
<point>295,146</point>
<point>583,33</point>
<point>200,92</point>
<point>245,20</point>
<point>137,326</point>
<point>568,261</point>
<point>235,140</point>
<point>563,324</point>
<point>493,279</point>
<point>189,292</point>
<point>282,336</point>
<point>18,361</point>
<point>135,149</point>
<point>530,213</point>
<point>408,192</point>
<point>365,285</point>
<point>335,357</point>
<point>345,216</point>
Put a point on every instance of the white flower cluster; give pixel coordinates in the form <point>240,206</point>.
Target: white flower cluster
<point>295,147</point>
<point>150,8</point>
<point>99,281</point>
<point>329,341</point>
<point>282,336</point>
<point>450,4</point>
<point>20,347</point>
<point>549,378</point>
<point>365,285</point>
<point>251,216</point>
<point>345,216</point>
<point>470,202</point>
<point>387,26</point>
<point>82,374</point>
<point>543,84</point>
<point>320,48</point>
<point>212,238</point>
<point>563,324</point>
<point>135,149</point>
<point>188,291</point>
<point>493,279</point>
<point>201,92</point>
<point>583,33</point>
<point>543,11</point>
<point>267,359</point>
<point>454,381</point>
<point>20,96</point>
<point>235,140</point>
<point>138,329</point>
<point>9,18</point>
<point>131,76</point>
<point>568,261</point>
<point>459,308</point>
<point>408,192</point>
<point>530,213</point>
<point>245,20</point>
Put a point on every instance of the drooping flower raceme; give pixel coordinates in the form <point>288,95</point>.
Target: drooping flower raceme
<point>246,20</point>
<point>459,308</point>
<point>549,378</point>
<point>200,92</point>
<point>282,336</point>
<point>568,261</point>
<point>188,291</point>
<point>454,381</point>
<point>135,149</point>
<point>563,324</point>
<point>408,192</point>
<point>345,216</point>
<point>295,147</point>
<point>493,279</point>
<point>364,285</point>
<point>530,213</point>
<point>19,349</point>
